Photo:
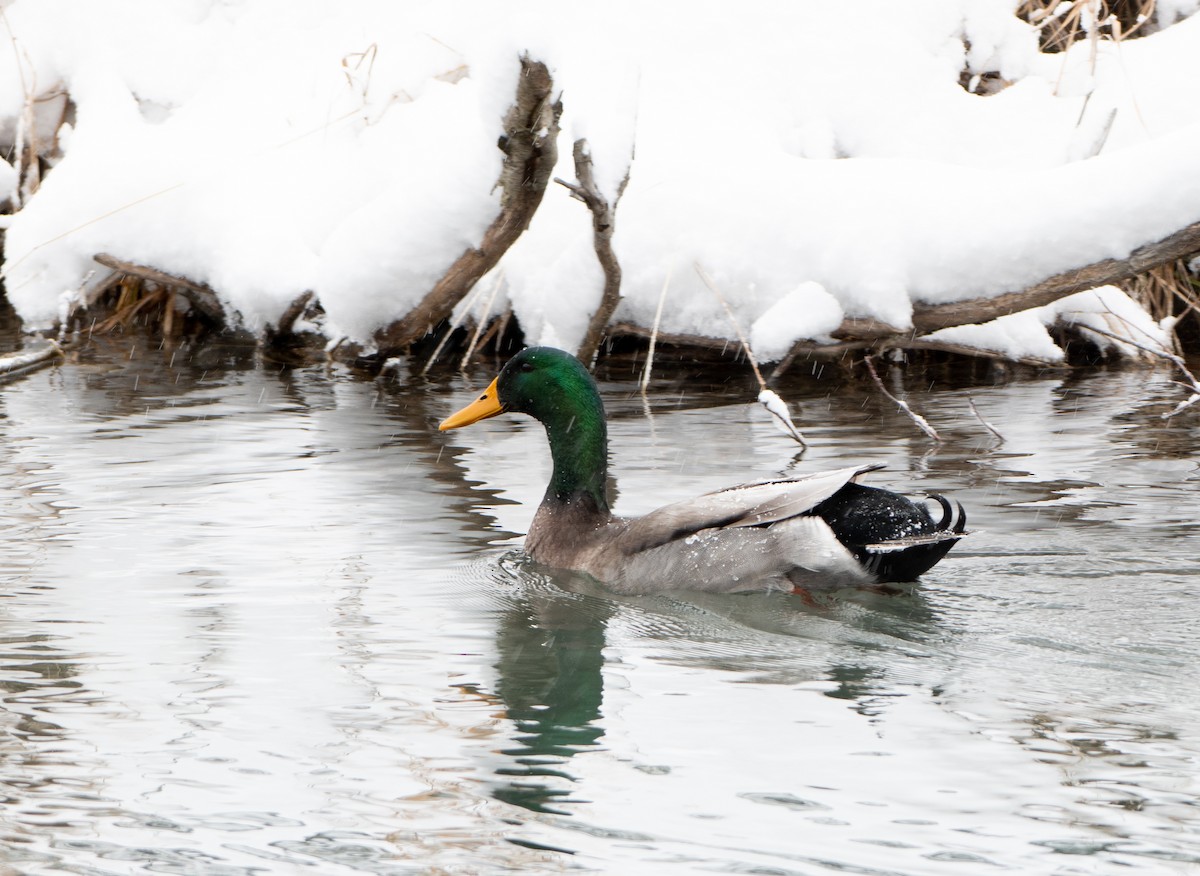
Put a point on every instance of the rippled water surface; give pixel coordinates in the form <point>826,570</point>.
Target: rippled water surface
<point>271,621</point>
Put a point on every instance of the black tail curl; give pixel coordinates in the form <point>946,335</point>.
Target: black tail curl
<point>954,517</point>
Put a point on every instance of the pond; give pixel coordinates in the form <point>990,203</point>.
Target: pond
<point>260,620</point>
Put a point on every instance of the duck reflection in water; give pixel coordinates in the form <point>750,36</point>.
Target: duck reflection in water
<point>551,638</point>
<point>551,657</point>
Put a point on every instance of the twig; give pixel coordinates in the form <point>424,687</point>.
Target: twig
<point>775,406</point>
<point>985,423</point>
<point>287,322</point>
<point>921,422</point>
<point>978,352</point>
<point>662,297</point>
<point>281,337</point>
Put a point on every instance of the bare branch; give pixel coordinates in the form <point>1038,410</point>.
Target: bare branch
<point>279,338</point>
<point>679,339</point>
<point>530,147</point>
<point>979,353</point>
<point>604,218</point>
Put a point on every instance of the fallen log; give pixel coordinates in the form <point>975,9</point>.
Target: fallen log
<point>929,318</point>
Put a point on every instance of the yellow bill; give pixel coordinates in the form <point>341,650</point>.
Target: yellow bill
<point>487,405</point>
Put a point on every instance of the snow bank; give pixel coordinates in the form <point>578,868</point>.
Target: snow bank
<point>267,148</point>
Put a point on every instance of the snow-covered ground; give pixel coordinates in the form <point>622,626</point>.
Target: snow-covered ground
<point>820,160</point>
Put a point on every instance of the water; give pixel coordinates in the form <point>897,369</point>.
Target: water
<point>260,621</point>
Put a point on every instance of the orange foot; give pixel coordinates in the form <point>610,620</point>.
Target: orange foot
<point>806,595</point>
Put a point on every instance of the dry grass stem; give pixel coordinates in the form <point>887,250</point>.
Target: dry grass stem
<point>775,405</point>
<point>204,300</point>
<point>481,321</point>
<point>455,322</point>
<point>662,297</point>
<point>1063,22</point>
<point>737,329</point>
<point>1162,289</point>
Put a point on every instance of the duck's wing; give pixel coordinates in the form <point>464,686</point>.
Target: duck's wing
<point>753,504</point>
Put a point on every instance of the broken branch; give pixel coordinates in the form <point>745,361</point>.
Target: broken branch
<point>604,218</point>
<point>921,422</point>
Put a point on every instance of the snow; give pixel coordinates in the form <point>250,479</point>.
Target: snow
<point>820,160</point>
<point>808,311</point>
<point>780,415</point>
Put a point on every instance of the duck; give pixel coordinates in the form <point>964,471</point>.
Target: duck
<point>799,534</point>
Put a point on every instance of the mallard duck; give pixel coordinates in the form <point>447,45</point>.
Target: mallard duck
<point>817,531</point>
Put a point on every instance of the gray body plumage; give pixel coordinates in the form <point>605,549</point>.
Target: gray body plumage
<point>750,537</point>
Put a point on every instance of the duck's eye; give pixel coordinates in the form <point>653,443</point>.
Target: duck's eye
<point>526,367</point>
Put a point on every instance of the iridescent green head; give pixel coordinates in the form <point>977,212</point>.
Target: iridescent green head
<point>552,386</point>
